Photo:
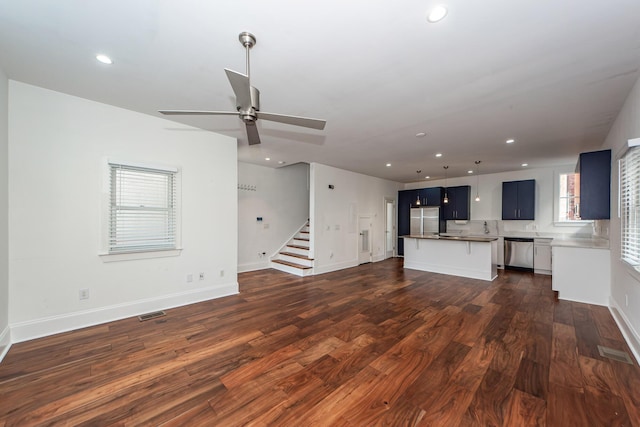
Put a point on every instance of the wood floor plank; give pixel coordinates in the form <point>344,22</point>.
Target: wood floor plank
<point>533,378</point>
<point>369,345</point>
<point>607,327</point>
<point>526,410</point>
<point>586,331</point>
<point>604,409</point>
<point>564,368</point>
<point>489,403</point>
<point>566,407</point>
<point>628,387</point>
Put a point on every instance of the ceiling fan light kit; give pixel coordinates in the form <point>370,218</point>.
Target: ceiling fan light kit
<point>248,101</point>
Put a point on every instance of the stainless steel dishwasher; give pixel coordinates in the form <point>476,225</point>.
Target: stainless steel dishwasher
<point>518,253</point>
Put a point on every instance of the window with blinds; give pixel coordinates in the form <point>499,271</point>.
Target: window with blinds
<point>630,206</point>
<point>142,209</point>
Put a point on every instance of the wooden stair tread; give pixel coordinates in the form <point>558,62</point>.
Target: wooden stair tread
<point>291,264</point>
<point>296,255</point>
<point>298,246</point>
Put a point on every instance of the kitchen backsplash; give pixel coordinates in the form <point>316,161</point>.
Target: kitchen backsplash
<point>599,228</point>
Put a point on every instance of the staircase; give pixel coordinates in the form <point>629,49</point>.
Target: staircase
<point>294,258</point>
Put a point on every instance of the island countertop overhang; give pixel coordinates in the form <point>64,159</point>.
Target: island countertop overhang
<point>453,238</point>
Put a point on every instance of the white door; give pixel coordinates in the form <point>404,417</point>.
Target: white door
<point>390,228</point>
<point>364,240</point>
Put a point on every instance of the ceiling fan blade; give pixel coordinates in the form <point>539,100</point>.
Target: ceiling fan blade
<point>293,120</point>
<point>197,112</point>
<point>252,133</point>
<point>241,87</point>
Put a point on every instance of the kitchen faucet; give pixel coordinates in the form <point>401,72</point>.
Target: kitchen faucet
<point>486,228</point>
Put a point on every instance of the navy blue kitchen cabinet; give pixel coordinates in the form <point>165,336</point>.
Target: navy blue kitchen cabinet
<point>459,206</point>
<point>519,199</point>
<point>595,184</point>
<point>407,199</point>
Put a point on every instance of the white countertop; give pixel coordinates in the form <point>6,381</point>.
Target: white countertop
<point>445,237</point>
<point>580,242</point>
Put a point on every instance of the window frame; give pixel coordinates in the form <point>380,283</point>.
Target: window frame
<point>632,262</point>
<point>106,252</point>
<point>556,201</point>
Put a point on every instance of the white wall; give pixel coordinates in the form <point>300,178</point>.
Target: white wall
<point>334,215</point>
<point>490,205</point>
<point>624,280</point>
<point>59,145</point>
<point>5,338</point>
<point>281,197</point>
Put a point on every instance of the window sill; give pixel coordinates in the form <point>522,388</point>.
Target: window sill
<point>572,223</point>
<point>634,271</point>
<point>130,256</point>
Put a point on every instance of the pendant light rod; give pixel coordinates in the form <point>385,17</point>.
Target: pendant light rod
<point>446,198</point>
<point>477,162</point>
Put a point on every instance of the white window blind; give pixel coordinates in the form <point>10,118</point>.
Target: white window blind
<point>142,209</point>
<point>630,206</point>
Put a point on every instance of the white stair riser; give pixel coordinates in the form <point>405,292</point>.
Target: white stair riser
<point>298,251</point>
<point>301,261</point>
<point>298,242</point>
<point>292,270</point>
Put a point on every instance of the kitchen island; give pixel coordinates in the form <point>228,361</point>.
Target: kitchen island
<point>465,256</point>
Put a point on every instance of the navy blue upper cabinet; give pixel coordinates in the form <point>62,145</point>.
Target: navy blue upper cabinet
<point>459,204</point>
<point>595,184</point>
<point>519,199</point>
<point>406,198</point>
<point>432,196</point>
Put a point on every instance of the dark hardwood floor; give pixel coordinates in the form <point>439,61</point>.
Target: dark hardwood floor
<point>371,345</point>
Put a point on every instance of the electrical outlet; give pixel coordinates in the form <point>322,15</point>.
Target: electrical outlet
<point>83,294</point>
<point>201,276</point>
<point>189,278</point>
<point>221,273</point>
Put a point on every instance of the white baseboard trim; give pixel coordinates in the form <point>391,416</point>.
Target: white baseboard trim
<point>24,331</point>
<point>630,335</point>
<point>334,267</point>
<point>243,268</point>
<point>5,342</point>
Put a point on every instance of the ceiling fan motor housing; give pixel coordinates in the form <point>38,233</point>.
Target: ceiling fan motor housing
<point>249,114</point>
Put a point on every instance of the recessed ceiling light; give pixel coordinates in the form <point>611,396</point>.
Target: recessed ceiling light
<point>439,155</point>
<point>427,177</point>
<point>280,162</point>
<point>437,14</point>
<point>104,59</point>
<point>524,165</point>
<point>267,158</point>
<point>510,141</point>
<point>388,165</point>
<point>469,171</point>
<point>421,134</point>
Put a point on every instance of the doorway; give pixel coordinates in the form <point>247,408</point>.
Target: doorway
<point>390,228</point>
<point>365,227</point>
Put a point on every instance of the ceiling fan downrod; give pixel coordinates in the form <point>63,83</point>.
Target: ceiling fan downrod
<point>247,40</point>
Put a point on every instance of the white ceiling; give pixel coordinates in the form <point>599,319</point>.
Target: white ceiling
<point>551,74</point>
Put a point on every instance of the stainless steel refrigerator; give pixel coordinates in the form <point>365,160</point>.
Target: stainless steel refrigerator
<point>425,220</point>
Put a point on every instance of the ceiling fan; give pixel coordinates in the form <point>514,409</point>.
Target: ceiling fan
<point>248,101</point>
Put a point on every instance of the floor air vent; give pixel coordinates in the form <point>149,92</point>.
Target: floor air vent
<point>150,316</point>
<point>616,355</point>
